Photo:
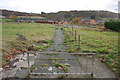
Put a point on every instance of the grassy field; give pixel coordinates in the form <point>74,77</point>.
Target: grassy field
<point>34,32</point>
<point>93,40</point>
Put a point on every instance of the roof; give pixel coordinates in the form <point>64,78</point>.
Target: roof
<point>100,21</point>
<point>86,20</point>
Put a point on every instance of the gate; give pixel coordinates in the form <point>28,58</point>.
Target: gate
<point>62,65</point>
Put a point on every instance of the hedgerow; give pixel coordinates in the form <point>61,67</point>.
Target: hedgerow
<point>113,25</point>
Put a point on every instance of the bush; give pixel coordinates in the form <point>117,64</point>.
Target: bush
<point>75,20</point>
<point>113,25</point>
<point>6,20</point>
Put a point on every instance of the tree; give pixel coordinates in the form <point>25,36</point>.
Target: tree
<point>75,20</point>
<point>93,17</point>
<point>43,13</point>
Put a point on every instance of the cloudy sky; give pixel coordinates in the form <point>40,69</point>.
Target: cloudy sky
<point>37,6</point>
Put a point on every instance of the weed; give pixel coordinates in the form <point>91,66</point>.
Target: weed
<point>56,64</point>
<point>24,67</point>
<point>32,68</point>
<point>53,50</point>
<point>38,74</point>
<point>51,54</point>
<point>43,65</point>
<point>59,50</point>
<point>62,76</point>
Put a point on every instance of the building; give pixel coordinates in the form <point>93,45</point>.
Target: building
<point>2,17</point>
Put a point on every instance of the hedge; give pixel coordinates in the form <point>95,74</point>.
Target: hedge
<point>6,20</point>
<point>113,25</point>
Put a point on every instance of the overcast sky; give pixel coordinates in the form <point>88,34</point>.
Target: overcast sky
<point>37,6</point>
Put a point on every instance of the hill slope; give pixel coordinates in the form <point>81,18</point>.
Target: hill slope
<point>65,15</point>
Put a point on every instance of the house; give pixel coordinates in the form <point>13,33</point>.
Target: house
<point>12,17</point>
<point>2,17</point>
<point>35,19</point>
<point>80,22</point>
<point>92,21</point>
<point>100,21</point>
<point>88,21</point>
<point>65,22</point>
<point>85,21</point>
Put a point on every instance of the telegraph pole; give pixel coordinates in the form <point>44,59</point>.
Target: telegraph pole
<point>119,10</point>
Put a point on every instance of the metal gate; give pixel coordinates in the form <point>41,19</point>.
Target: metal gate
<point>62,64</point>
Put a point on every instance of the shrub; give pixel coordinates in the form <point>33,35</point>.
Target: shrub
<point>75,20</point>
<point>113,25</point>
<point>6,20</point>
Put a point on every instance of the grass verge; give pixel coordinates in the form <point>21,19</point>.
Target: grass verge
<point>93,40</point>
<point>34,33</point>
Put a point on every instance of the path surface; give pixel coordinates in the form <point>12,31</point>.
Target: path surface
<point>76,64</point>
<point>58,40</point>
<point>45,62</point>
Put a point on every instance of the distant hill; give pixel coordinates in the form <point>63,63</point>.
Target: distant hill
<point>66,15</point>
<point>8,13</point>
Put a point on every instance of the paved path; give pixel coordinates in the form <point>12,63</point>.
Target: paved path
<point>76,64</point>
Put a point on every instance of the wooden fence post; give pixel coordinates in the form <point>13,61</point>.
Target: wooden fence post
<point>28,63</point>
<point>68,35</point>
<point>72,31</point>
<point>75,35</point>
<point>79,40</point>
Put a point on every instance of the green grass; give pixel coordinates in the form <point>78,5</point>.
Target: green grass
<point>92,40</point>
<point>34,32</point>
<point>65,67</point>
<point>7,20</point>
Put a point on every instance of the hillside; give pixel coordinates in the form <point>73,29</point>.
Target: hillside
<point>8,13</point>
<point>68,15</point>
<point>65,15</point>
